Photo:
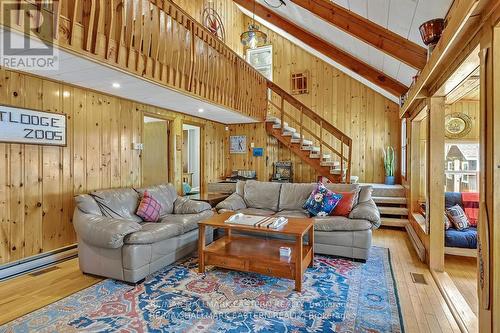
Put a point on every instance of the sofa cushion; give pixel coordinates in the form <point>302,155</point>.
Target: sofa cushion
<point>343,187</point>
<point>86,204</point>
<point>294,196</point>
<point>240,187</point>
<point>118,203</point>
<point>165,194</point>
<point>149,208</point>
<point>293,213</point>
<point>256,211</point>
<point>346,204</point>
<point>262,195</point>
<point>153,232</point>
<point>457,217</point>
<point>322,201</point>
<point>187,222</point>
<point>340,223</point>
<point>364,194</point>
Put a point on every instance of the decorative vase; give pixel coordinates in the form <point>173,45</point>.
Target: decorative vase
<point>431,31</point>
<point>390,180</point>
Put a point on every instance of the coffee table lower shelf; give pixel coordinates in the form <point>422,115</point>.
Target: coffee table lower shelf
<point>258,255</point>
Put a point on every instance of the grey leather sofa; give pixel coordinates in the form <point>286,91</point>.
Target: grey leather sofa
<point>334,235</point>
<point>115,243</point>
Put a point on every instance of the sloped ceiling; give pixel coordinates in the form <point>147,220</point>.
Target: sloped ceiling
<point>400,16</point>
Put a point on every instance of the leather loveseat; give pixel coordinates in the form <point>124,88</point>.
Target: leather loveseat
<point>334,235</point>
<point>115,243</point>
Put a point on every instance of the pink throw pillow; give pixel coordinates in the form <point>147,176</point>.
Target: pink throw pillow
<point>149,208</point>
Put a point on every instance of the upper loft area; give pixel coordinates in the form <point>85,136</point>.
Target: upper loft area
<point>145,47</point>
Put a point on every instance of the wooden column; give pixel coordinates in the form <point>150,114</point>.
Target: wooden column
<point>489,218</point>
<point>176,154</point>
<point>435,182</point>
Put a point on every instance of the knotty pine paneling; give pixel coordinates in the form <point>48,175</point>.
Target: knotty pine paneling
<point>232,18</point>
<point>370,119</point>
<point>37,183</point>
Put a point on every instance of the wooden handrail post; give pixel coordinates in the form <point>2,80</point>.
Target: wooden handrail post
<point>301,125</point>
<point>348,177</point>
<point>192,56</point>
<point>320,139</point>
<point>282,111</point>
<point>342,157</point>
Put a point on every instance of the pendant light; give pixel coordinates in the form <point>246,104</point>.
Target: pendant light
<point>253,37</point>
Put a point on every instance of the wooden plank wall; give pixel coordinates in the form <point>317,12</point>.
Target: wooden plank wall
<point>232,18</point>
<point>37,183</point>
<point>370,119</point>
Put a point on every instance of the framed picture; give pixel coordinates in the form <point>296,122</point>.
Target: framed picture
<point>238,144</point>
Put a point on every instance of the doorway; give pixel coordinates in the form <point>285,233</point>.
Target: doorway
<point>191,159</point>
<point>155,151</point>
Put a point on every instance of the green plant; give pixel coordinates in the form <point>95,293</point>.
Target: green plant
<point>389,161</point>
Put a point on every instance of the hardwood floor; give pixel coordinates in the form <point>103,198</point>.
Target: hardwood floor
<point>27,293</point>
<point>463,272</point>
<point>423,307</point>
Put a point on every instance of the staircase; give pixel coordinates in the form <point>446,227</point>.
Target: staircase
<point>392,203</point>
<point>313,139</point>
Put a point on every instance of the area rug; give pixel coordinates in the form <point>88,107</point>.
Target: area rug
<point>338,295</point>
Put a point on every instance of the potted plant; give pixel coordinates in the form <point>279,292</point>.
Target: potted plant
<point>389,166</point>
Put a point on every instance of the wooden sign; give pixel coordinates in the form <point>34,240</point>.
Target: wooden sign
<point>32,127</point>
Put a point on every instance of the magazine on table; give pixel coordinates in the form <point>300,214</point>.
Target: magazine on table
<point>257,221</point>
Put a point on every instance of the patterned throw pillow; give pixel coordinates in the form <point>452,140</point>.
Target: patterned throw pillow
<point>447,222</point>
<point>322,201</point>
<point>345,205</point>
<point>457,216</point>
<point>149,208</point>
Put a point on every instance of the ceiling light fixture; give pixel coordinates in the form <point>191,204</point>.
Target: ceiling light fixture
<point>253,37</point>
<point>201,110</point>
<point>116,85</point>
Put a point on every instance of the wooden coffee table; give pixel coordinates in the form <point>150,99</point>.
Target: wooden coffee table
<point>257,254</point>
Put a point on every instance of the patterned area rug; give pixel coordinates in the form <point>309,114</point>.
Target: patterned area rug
<point>338,296</point>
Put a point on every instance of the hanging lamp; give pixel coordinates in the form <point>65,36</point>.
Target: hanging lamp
<point>253,37</point>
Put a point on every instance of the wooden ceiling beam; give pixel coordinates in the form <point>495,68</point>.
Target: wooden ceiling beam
<point>371,33</point>
<point>343,58</point>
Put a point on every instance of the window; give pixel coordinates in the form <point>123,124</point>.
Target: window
<point>461,168</point>
<point>261,59</point>
<point>404,143</point>
<point>300,83</point>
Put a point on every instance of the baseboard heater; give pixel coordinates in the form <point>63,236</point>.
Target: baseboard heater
<point>28,265</point>
<point>417,243</point>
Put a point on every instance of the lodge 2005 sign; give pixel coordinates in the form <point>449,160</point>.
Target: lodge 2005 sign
<point>32,127</point>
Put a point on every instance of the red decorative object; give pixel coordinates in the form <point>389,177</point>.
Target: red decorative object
<point>213,22</point>
<point>431,31</point>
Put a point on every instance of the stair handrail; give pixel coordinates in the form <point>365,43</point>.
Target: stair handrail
<point>323,123</point>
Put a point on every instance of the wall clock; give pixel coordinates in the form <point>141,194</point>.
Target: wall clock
<point>457,125</point>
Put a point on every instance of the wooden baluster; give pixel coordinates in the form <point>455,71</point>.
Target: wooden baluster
<point>88,15</point>
<point>348,176</point>
<point>191,57</point>
<point>341,157</point>
<point>320,140</point>
<point>282,111</point>
<point>301,129</point>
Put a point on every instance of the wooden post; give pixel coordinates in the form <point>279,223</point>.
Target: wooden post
<point>282,111</point>
<point>320,140</point>
<point>435,182</point>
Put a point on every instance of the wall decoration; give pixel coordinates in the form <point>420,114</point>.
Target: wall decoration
<point>238,144</point>
<point>32,127</point>
<point>300,83</point>
<point>258,152</point>
<point>213,21</point>
<point>457,125</point>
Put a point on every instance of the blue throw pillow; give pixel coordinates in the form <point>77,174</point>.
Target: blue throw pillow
<point>322,201</point>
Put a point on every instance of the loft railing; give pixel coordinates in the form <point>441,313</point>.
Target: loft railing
<point>157,40</point>
<point>311,126</point>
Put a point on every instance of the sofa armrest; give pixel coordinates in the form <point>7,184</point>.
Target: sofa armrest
<point>367,211</point>
<point>187,206</point>
<point>102,231</point>
<point>232,203</point>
